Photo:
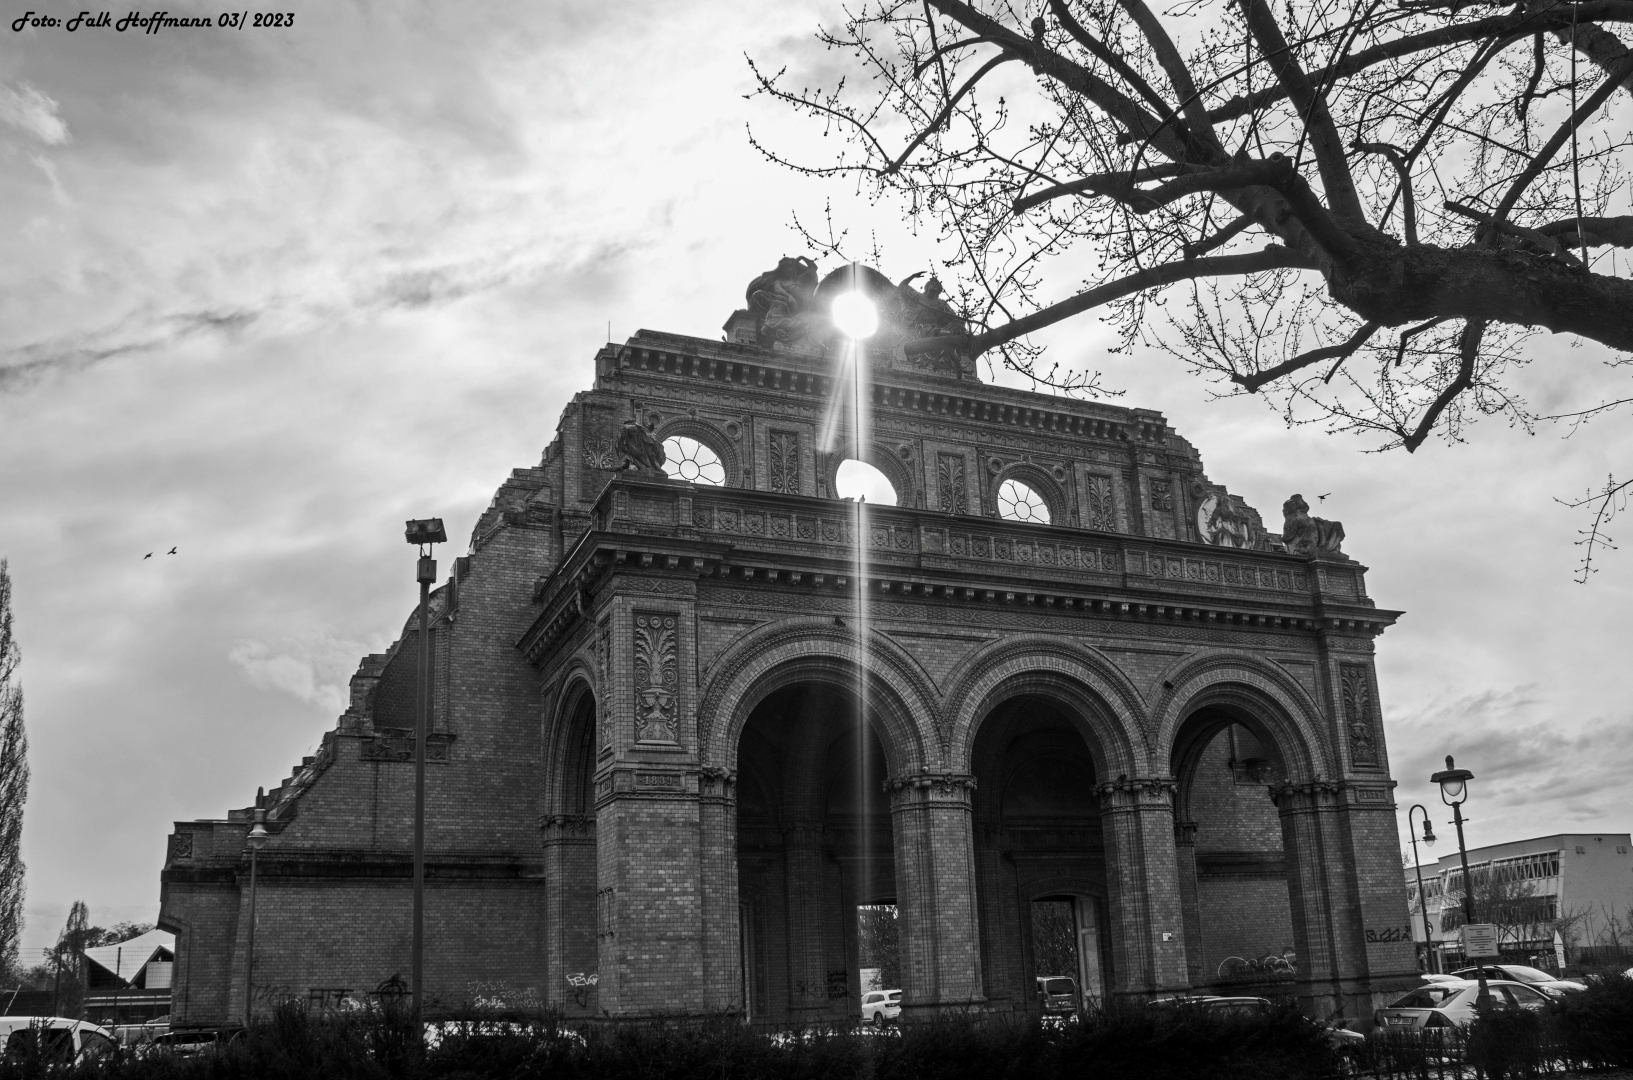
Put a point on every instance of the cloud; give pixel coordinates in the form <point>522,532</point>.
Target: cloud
<point>33,112</point>
<point>315,669</point>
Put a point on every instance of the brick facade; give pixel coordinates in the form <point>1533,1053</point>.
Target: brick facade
<point>648,786</point>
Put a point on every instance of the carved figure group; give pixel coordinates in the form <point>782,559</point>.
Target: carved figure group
<point>927,313</point>
<point>640,448</point>
<point>1306,535</point>
<point>782,298</point>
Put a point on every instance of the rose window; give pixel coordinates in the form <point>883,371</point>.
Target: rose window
<point>689,460</point>
<point>1017,502</point>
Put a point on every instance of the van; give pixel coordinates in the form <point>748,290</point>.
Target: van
<point>54,1039</point>
<point>1057,994</point>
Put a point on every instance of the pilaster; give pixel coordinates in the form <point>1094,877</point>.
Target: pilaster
<point>931,820</point>
<point>1189,904</point>
<point>1148,926</point>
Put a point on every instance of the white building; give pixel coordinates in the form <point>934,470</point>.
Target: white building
<point>1581,883</point>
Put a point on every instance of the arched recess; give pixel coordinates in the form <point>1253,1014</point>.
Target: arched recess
<point>1041,480</point>
<point>568,828</point>
<point>724,447</point>
<point>1040,851</point>
<point>1236,729</point>
<point>1100,701</point>
<point>886,458</point>
<point>820,651</point>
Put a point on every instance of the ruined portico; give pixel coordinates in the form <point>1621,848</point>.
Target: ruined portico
<point>649,788</point>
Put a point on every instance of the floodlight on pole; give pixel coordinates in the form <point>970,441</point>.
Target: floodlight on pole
<point>257,837</point>
<point>422,533</point>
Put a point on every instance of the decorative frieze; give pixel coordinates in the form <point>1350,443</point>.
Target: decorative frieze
<point>657,675</point>
<point>1358,719</point>
<point>784,458</point>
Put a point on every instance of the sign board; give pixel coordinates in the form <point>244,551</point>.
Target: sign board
<point>1559,951</point>
<point>1480,941</point>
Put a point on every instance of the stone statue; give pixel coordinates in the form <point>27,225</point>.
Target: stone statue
<point>782,298</point>
<point>640,448</point>
<point>1306,535</point>
<point>926,313</point>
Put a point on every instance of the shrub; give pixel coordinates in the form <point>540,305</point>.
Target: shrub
<point>1595,1026</point>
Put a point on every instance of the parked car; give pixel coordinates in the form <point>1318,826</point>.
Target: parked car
<point>193,1041</point>
<point>55,1038</point>
<point>1057,994</point>
<point>1445,1005</point>
<point>881,1006</point>
<point>1520,973</point>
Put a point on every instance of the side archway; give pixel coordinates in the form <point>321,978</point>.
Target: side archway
<point>568,838</point>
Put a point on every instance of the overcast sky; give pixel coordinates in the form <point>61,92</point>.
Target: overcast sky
<point>264,294</point>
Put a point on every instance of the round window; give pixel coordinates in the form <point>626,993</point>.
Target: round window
<point>1017,502</point>
<point>857,479</point>
<point>689,460</point>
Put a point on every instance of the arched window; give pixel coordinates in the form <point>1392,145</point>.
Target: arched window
<point>687,459</point>
<point>1018,502</point>
<point>857,479</point>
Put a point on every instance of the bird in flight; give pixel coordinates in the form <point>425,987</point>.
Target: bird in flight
<point>149,555</point>
<point>1322,498</point>
<point>172,551</point>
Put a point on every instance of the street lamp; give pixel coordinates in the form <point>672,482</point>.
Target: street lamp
<point>422,534</point>
<point>1417,865</point>
<point>1454,791</point>
<point>257,837</point>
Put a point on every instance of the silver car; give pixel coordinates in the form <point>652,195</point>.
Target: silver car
<point>1452,1005</point>
<point>1520,973</point>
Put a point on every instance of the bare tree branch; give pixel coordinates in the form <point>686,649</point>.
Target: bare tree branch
<point>1259,379</point>
<point>1469,352</point>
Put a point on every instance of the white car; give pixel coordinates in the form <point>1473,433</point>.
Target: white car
<point>55,1038</point>
<point>1520,973</point>
<point>1452,1005</point>
<point>881,1006</point>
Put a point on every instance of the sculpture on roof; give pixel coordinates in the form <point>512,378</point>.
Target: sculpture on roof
<point>927,313</point>
<point>1306,535</point>
<point>782,297</point>
<point>640,448</point>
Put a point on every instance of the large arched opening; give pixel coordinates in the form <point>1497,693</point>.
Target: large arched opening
<point>572,946</point>
<point>815,858</point>
<point>1040,857</point>
<point>1233,862</point>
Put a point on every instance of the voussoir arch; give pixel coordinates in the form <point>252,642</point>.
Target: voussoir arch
<point>791,651</point>
<point>724,447</point>
<point>1109,704</point>
<point>1263,689</point>
<point>574,687</point>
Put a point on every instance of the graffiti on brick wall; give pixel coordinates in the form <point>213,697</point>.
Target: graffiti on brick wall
<point>490,994</point>
<point>1389,935</point>
<point>838,984</point>
<point>582,986</point>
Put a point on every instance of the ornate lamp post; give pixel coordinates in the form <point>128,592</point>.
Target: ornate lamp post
<point>1423,898</point>
<point>257,837</point>
<point>1454,790</point>
<point>423,534</point>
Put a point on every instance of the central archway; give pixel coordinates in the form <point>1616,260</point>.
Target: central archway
<point>814,844</point>
<point>1040,855</point>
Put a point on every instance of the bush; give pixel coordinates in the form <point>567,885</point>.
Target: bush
<point>1595,1026</point>
<point>1153,1044</point>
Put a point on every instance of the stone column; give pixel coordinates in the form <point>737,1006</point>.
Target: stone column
<point>723,956</point>
<point>935,891</point>
<point>570,946</point>
<point>807,954</point>
<point>1190,907</point>
<point>1320,904</point>
<point>1147,925</point>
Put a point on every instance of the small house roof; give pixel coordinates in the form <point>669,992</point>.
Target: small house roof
<point>127,958</point>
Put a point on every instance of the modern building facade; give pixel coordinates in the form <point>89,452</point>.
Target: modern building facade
<point>692,710</point>
<point>1579,884</point>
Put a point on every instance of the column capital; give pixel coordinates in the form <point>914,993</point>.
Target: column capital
<point>930,788</point>
<point>1309,795</point>
<point>1126,794</point>
<point>556,827</point>
<point>1184,834</point>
